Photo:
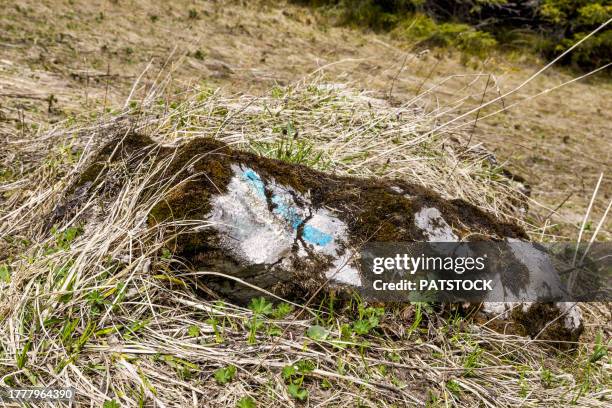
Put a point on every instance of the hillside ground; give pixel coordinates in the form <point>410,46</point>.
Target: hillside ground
<point>62,58</point>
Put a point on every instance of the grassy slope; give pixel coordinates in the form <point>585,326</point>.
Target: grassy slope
<point>67,50</point>
<point>560,141</point>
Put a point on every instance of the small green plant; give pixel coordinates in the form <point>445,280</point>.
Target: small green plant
<point>296,391</point>
<point>432,399</point>
<point>63,239</point>
<point>96,301</point>
<point>277,92</point>
<point>5,274</point>
<point>524,390</point>
<point>254,325</point>
<point>193,14</point>
<point>260,306</point>
<point>472,360</point>
<point>215,325</point>
<point>22,356</point>
<point>290,148</point>
<point>246,402</point>
<point>166,254</point>
<point>185,369</point>
<point>199,55</point>
<point>282,310</point>
<point>225,375</point>
<point>193,331</point>
<point>317,332</point>
<point>362,327</point>
<point>294,375</point>
<point>453,386</point>
<point>274,330</point>
<point>420,308</point>
<point>111,404</point>
<point>369,319</point>
<point>393,356</point>
<point>325,384</point>
<point>547,378</point>
<point>600,350</point>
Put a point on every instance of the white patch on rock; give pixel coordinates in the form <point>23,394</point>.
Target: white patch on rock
<point>434,227</point>
<point>342,271</point>
<point>244,224</point>
<point>572,316</point>
<point>543,282</point>
<point>543,278</point>
<point>498,309</point>
<point>256,235</point>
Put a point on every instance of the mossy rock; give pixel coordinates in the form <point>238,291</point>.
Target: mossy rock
<point>286,228</point>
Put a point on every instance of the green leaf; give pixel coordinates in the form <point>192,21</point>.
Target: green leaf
<point>282,310</point>
<point>362,327</point>
<point>193,331</point>
<point>317,332</point>
<point>297,392</point>
<point>225,374</point>
<point>274,331</point>
<point>453,386</point>
<point>288,371</point>
<point>95,298</point>
<point>5,275</point>
<point>305,366</point>
<point>166,254</point>
<point>260,306</point>
<point>246,402</point>
<point>600,350</point>
<point>111,404</point>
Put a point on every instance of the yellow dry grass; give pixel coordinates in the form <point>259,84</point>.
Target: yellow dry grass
<point>87,55</point>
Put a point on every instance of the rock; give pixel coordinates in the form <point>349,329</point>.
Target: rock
<point>290,229</point>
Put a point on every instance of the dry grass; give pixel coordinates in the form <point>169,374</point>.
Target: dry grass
<point>97,306</point>
<point>86,55</point>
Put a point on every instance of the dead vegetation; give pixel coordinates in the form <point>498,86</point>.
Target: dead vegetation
<point>61,58</point>
<point>97,304</point>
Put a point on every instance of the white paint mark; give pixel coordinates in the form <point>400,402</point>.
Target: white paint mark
<point>245,225</point>
<point>573,317</point>
<point>435,228</point>
<point>256,235</point>
<point>543,282</point>
<point>342,271</point>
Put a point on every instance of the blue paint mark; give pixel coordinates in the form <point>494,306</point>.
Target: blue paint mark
<point>254,179</point>
<point>290,214</point>
<point>316,236</point>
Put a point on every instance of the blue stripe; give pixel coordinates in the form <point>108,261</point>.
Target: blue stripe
<point>290,214</point>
